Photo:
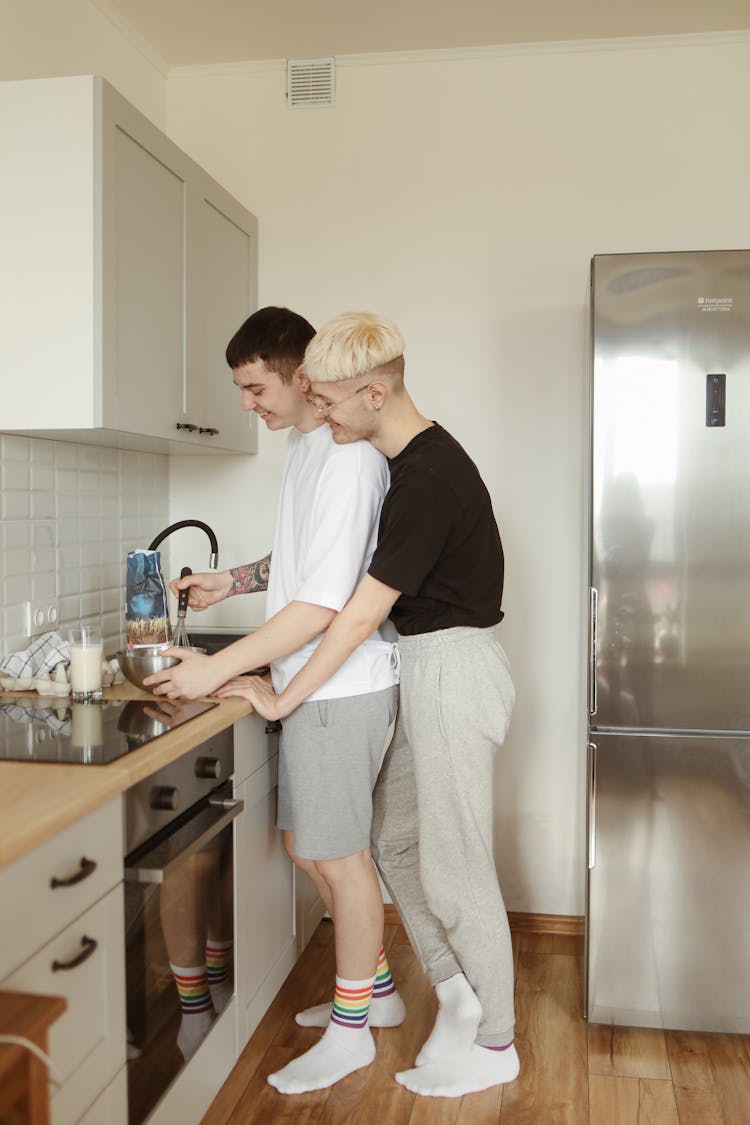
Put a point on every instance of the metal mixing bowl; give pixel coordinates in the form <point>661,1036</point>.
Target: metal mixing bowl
<point>137,663</point>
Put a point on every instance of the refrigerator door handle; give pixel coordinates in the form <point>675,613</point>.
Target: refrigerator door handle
<point>593,637</point>
<point>592,805</point>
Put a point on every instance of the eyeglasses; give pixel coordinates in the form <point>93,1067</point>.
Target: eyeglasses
<point>324,405</point>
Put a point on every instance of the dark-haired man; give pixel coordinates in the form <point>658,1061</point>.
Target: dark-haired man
<point>332,747</point>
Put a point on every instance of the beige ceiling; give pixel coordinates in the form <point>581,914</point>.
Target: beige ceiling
<point>194,32</point>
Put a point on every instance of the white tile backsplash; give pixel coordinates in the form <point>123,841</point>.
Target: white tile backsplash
<point>43,586</point>
<point>16,504</point>
<point>42,478</point>
<point>42,453</point>
<point>42,505</point>
<point>70,514</point>
<point>15,475</point>
<point>15,448</point>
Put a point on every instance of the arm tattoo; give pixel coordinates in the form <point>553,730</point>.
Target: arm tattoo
<point>250,578</point>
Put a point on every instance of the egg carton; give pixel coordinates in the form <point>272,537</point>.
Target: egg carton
<point>57,682</point>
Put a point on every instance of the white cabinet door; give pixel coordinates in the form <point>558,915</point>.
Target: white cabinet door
<point>264,899</point>
<point>221,295</point>
<point>144,268</point>
<point>47,261</point>
<point>111,1107</point>
<point>310,909</point>
<point>255,741</point>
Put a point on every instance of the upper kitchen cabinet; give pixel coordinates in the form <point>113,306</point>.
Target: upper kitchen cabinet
<point>221,296</point>
<point>125,271</point>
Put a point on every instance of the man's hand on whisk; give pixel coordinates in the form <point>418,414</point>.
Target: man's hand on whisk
<point>206,588</point>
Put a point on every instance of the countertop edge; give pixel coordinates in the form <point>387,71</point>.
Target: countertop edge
<point>39,799</point>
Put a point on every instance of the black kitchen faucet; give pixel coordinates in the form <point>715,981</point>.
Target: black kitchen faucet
<point>213,560</point>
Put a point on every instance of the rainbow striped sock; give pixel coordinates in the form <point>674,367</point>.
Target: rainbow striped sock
<point>384,985</point>
<point>218,960</point>
<point>351,1002</point>
<point>192,987</point>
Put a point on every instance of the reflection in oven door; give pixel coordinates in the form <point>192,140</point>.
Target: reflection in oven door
<point>179,949</point>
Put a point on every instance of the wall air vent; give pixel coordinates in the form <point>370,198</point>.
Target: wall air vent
<point>311,83</point>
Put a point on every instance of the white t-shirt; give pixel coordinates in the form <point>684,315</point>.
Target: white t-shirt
<point>326,531</point>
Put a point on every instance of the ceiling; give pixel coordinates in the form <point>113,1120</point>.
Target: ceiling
<point>177,33</point>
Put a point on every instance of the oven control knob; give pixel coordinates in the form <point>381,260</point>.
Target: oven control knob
<point>208,768</point>
<point>165,797</point>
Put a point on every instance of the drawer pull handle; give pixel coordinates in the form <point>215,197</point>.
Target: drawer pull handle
<point>88,867</point>
<point>89,945</point>
<point>210,430</point>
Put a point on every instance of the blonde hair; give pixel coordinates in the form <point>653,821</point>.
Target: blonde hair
<point>350,345</point>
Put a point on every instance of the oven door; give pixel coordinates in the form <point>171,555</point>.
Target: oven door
<point>179,922</point>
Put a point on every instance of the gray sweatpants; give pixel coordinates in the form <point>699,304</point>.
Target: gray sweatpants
<point>432,815</point>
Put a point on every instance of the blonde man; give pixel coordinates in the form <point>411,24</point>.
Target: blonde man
<point>438,572</point>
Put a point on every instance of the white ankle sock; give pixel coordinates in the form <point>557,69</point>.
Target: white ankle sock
<point>193,1030</point>
<point>339,1051</point>
<point>132,1052</point>
<point>388,1011</point>
<point>221,994</point>
<point>466,1073</point>
<point>456,1023</point>
<point>218,972</point>
<point>197,1010</point>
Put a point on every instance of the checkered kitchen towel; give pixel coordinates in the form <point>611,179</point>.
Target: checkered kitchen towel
<point>43,654</point>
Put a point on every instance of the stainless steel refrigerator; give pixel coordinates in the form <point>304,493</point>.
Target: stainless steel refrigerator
<point>668,896</point>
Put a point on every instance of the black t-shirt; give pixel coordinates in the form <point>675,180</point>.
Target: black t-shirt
<point>438,541</point>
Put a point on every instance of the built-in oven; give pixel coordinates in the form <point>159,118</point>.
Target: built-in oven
<point>179,911</point>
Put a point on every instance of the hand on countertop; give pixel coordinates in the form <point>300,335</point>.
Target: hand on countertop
<point>256,691</point>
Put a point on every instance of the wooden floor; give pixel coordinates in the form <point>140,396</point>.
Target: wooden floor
<point>570,1072</point>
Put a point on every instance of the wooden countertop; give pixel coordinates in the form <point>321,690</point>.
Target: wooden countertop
<point>39,799</point>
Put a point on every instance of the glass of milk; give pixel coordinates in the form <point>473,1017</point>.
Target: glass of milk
<point>86,654</point>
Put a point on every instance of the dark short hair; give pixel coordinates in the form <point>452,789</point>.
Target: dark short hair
<point>278,336</point>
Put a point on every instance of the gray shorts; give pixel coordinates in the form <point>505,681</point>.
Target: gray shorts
<point>330,754</point>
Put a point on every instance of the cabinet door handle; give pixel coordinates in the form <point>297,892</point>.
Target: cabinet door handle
<point>87,867</point>
<point>211,430</point>
<point>592,805</point>
<point>189,426</point>
<point>88,946</point>
<point>593,648</point>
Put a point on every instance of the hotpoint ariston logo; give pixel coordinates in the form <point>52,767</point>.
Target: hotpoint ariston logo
<point>716,304</point>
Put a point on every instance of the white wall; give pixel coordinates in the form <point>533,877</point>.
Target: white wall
<point>464,197</point>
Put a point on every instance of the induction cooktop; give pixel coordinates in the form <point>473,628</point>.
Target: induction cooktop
<point>53,729</point>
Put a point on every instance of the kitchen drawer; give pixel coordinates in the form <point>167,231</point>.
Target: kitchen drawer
<point>33,909</point>
<point>111,1107</point>
<point>87,1043</point>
